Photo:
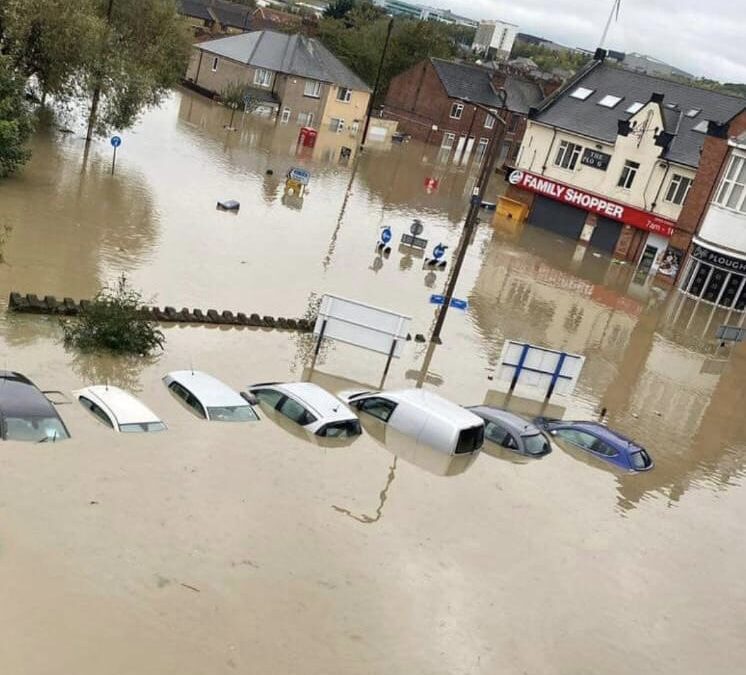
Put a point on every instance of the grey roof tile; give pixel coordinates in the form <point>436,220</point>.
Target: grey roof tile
<point>590,119</point>
<point>290,54</point>
<point>464,80</point>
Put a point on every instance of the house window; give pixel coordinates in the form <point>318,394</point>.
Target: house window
<point>285,116</point>
<point>628,174</point>
<point>312,89</point>
<point>305,119</point>
<point>215,62</point>
<point>732,191</point>
<point>513,123</point>
<point>567,155</point>
<point>456,111</point>
<point>336,125</point>
<point>489,120</point>
<point>448,139</point>
<point>482,147</point>
<point>262,77</point>
<point>344,94</point>
<point>678,189</point>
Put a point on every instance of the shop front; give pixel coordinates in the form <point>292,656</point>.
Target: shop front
<point>715,277</point>
<point>614,227</point>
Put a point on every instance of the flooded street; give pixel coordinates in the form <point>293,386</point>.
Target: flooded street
<point>255,548</point>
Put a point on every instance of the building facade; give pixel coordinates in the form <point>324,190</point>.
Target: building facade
<point>610,160</point>
<point>433,99</point>
<point>423,13</point>
<point>291,76</point>
<point>494,40</point>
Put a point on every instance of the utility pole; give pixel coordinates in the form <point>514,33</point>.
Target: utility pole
<point>471,216</point>
<point>378,82</point>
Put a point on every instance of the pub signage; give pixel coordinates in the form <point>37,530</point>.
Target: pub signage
<point>624,213</point>
<point>596,159</point>
<point>720,259</point>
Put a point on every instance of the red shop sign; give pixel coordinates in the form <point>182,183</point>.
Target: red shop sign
<point>629,215</point>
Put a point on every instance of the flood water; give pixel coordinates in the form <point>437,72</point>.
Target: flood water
<point>219,548</point>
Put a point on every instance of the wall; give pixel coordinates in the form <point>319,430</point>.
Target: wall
<point>724,227</point>
<point>227,72</point>
<point>290,90</point>
<point>541,144</point>
<point>355,109</point>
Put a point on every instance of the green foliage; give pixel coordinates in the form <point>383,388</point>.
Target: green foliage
<point>548,59</point>
<point>339,9</point>
<point>15,119</point>
<point>358,40</point>
<point>114,321</point>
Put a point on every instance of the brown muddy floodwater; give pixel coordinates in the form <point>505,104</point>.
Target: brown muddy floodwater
<point>220,549</point>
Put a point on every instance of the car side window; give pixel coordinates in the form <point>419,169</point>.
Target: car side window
<point>269,396</point>
<point>601,448</point>
<point>96,411</point>
<point>178,390</point>
<point>379,407</point>
<point>577,437</point>
<point>296,412</point>
<point>498,434</point>
<point>188,398</point>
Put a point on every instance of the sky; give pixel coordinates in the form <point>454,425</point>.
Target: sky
<point>704,38</point>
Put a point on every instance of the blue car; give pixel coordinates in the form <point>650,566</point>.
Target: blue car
<point>599,441</point>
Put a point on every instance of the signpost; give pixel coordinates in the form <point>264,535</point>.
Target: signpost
<point>116,141</point>
<point>386,235</point>
<point>456,303</point>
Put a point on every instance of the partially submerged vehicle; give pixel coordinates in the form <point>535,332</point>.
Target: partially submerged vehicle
<point>26,414</point>
<point>118,409</point>
<point>209,398</point>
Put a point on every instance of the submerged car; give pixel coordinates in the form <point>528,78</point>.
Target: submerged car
<point>209,398</point>
<point>26,414</point>
<point>310,406</point>
<point>513,432</point>
<point>428,418</point>
<point>603,443</point>
<point>118,409</point>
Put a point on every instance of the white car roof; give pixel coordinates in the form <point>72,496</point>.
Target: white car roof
<point>211,392</point>
<point>121,405</point>
<point>427,400</point>
<point>320,401</point>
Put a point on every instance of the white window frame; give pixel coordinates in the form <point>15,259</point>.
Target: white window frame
<point>674,194</point>
<point>568,155</point>
<point>448,136</point>
<point>628,175</point>
<point>215,62</point>
<point>457,109</point>
<point>263,77</point>
<point>315,89</point>
<point>732,186</point>
<point>305,119</point>
<point>489,120</point>
<point>337,125</point>
<point>285,118</point>
<point>481,148</point>
<point>344,94</point>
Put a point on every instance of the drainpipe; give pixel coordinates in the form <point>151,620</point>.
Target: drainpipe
<point>199,66</point>
<point>549,152</point>
<point>660,187</point>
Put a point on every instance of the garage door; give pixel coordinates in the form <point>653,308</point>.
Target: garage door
<point>557,217</point>
<point>606,234</point>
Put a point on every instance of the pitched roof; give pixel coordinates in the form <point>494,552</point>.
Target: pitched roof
<point>467,81</point>
<point>588,118</point>
<point>227,13</point>
<point>290,54</point>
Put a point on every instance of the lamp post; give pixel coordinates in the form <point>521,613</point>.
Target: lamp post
<point>476,200</point>
<point>378,82</point>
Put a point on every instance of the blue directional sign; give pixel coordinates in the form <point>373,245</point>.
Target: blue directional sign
<point>301,175</point>
<point>456,303</point>
<point>116,141</point>
<point>439,251</point>
<point>386,235</point>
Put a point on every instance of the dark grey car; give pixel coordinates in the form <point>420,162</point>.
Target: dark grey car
<point>25,413</point>
<point>511,431</point>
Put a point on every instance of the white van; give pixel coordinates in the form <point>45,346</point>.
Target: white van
<point>426,417</point>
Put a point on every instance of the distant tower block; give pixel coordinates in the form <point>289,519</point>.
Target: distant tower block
<point>494,40</point>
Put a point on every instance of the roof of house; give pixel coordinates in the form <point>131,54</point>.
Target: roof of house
<point>467,81</point>
<point>225,12</point>
<point>588,118</point>
<point>290,54</point>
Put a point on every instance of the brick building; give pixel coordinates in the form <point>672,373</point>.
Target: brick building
<point>431,99</point>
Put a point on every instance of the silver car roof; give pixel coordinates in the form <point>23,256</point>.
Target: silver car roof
<point>512,422</point>
<point>122,406</point>
<point>315,398</point>
<point>211,392</point>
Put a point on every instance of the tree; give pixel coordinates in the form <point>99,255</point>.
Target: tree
<point>143,52</point>
<point>15,119</point>
<point>233,95</point>
<point>114,321</point>
<point>339,9</point>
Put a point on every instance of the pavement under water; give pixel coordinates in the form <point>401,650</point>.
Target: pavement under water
<point>253,548</point>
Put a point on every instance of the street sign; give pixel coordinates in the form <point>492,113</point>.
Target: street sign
<point>416,228</point>
<point>439,251</point>
<point>115,141</point>
<point>386,235</point>
<point>414,242</point>
<point>456,303</point>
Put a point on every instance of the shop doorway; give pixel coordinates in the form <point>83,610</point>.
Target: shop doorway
<point>647,259</point>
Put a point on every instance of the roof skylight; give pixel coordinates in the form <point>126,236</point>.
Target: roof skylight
<point>701,127</point>
<point>609,101</point>
<point>581,93</point>
<point>693,112</point>
<point>635,107</point>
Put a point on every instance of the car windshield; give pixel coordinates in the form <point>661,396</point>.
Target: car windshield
<point>35,429</point>
<point>535,444</point>
<point>233,413</point>
<point>142,427</point>
<point>640,460</point>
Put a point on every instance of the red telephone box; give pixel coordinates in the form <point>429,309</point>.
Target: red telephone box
<point>307,137</point>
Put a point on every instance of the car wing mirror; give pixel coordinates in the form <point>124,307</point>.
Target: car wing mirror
<point>249,398</point>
